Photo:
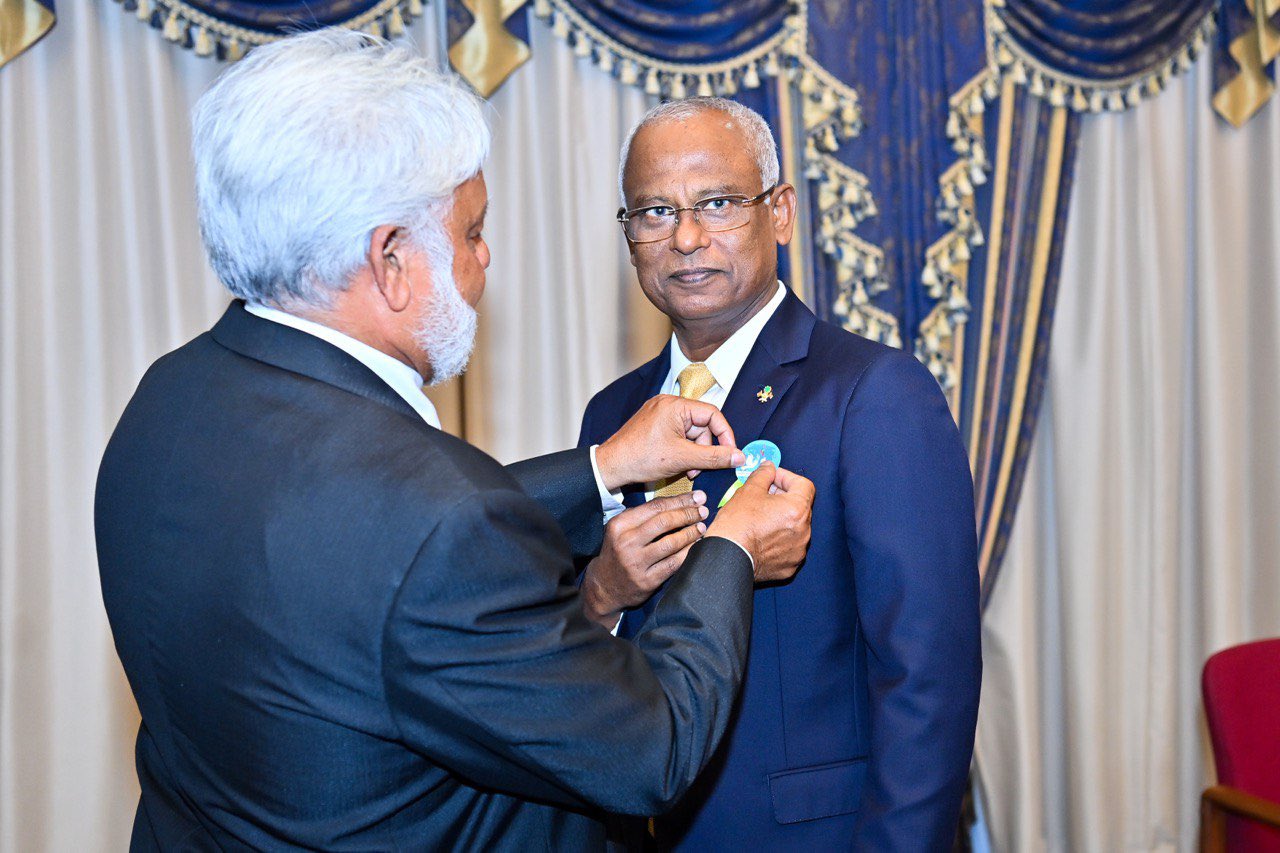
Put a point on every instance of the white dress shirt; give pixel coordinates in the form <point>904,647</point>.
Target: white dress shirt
<point>726,362</point>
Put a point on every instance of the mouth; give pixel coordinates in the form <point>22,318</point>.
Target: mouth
<point>695,275</point>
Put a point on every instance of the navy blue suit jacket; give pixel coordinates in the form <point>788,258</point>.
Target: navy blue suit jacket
<point>855,727</point>
<point>347,630</point>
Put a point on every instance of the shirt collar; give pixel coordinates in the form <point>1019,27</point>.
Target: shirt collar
<point>726,362</point>
<point>402,378</point>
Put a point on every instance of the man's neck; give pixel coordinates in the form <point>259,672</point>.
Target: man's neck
<point>699,339</point>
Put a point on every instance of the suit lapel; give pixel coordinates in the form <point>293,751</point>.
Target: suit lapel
<point>767,375</point>
<point>298,352</point>
<point>774,362</point>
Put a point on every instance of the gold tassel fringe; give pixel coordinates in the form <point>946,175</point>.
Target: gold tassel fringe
<point>1007,58</point>
<point>206,35</point>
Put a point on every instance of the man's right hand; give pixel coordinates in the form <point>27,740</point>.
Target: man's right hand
<point>667,437</point>
<point>770,517</point>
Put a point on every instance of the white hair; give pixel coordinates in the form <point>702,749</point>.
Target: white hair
<point>308,144</point>
<point>754,128</point>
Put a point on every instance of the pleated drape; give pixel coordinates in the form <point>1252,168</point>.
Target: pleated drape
<point>101,271</point>
<point>1148,537</point>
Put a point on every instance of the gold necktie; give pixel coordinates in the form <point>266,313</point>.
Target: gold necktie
<point>695,380</point>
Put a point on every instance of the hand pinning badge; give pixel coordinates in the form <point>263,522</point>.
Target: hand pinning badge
<point>757,453</point>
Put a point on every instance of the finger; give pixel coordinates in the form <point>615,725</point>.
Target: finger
<point>694,499</point>
<point>633,517</point>
<point>703,438</point>
<point>794,484</point>
<point>668,566</point>
<point>700,435</point>
<point>761,478</point>
<point>704,416</point>
<point>672,519</point>
<point>673,543</point>
<point>698,458</point>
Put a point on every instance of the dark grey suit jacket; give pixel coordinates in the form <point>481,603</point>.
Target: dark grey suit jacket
<point>347,630</point>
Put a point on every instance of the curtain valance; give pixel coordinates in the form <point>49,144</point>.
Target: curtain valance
<point>676,50</point>
<point>226,29</point>
<point>1097,54</point>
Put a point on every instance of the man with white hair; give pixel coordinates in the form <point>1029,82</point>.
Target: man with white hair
<point>344,628</point>
<point>855,726</point>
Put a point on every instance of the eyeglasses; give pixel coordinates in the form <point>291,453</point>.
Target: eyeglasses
<point>659,222</point>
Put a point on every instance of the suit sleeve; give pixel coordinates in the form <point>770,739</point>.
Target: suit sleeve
<point>908,497</point>
<point>586,435</point>
<point>565,485</point>
<point>492,670</point>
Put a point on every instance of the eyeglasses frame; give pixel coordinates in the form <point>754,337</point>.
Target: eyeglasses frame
<point>624,214</point>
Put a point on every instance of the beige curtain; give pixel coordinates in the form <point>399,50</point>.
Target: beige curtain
<point>1149,533</point>
<point>101,271</point>
<point>561,316</point>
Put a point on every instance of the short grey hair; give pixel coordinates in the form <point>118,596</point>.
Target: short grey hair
<point>307,145</point>
<point>755,131</point>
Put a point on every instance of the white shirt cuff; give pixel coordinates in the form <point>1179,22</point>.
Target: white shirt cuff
<point>610,502</point>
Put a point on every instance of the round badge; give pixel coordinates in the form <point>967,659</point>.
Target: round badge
<point>757,453</point>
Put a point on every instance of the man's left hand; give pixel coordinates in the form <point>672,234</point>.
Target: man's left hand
<point>643,546</point>
<point>668,437</point>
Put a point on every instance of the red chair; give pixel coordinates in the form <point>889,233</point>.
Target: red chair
<point>1241,688</point>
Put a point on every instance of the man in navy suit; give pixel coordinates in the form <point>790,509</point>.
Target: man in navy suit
<point>345,629</point>
<point>855,728</point>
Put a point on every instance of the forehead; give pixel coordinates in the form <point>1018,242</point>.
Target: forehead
<point>708,150</point>
<point>471,196</point>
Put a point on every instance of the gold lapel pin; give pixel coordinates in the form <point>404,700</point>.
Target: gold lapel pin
<point>765,394</point>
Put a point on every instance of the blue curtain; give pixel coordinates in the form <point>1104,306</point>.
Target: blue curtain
<point>227,29</point>
<point>1102,40</point>
<point>935,144</point>
<point>704,31</point>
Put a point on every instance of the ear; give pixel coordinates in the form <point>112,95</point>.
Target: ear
<point>784,213</point>
<point>388,261</point>
<point>631,247</point>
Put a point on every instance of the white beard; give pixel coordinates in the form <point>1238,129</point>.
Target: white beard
<point>446,329</point>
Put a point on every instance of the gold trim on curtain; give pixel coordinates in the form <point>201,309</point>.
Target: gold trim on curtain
<point>22,24</point>
<point>210,36</point>
<point>1248,91</point>
<point>488,53</point>
<point>1030,326</point>
<point>793,173</point>
<point>994,248</point>
<point>1081,94</point>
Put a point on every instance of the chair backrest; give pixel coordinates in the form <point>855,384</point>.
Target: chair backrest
<point>1241,688</point>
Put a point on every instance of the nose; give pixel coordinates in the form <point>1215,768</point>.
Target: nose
<point>690,236</point>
